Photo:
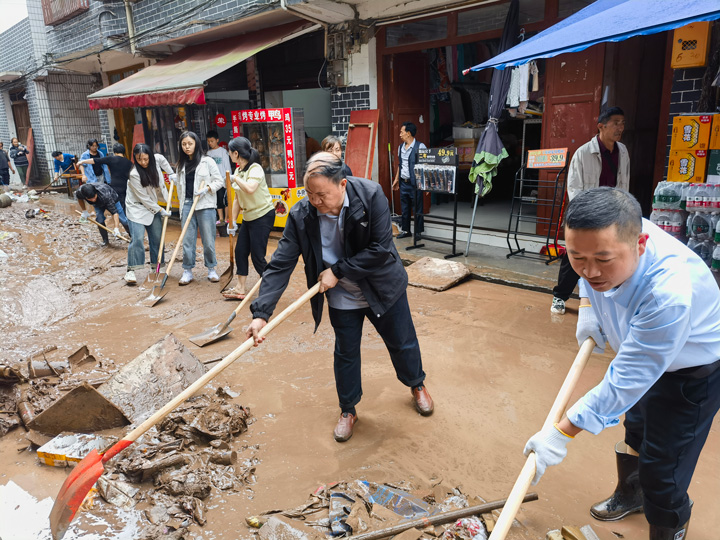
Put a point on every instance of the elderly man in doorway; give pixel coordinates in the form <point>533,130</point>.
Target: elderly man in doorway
<point>603,161</point>
<point>342,230</point>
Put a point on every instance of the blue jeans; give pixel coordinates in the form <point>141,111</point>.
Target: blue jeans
<point>397,331</point>
<point>136,250</point>
<point>100,216</point>
<point>203,220</point>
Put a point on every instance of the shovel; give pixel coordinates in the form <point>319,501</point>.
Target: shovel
<point>522,484</point>
<point>82,478</point>
<point>221,330</point>
<point>91,220</point>
<point>157,294</point>
<point>155,277</point>
<point>227,275</point>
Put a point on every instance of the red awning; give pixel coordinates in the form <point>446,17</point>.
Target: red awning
<point>180,78</point>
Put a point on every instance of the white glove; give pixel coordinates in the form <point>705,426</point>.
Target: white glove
<point>201,192</point>
<point>589,326</point>
<point>116,232</point>
<point>165,213</point>
<point>85,214</point>
<point>549,446</point>
<point>232,230</point>
<point>173,178</point>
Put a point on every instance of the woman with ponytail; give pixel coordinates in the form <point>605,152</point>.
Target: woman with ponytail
<point>253,199</point>
<point>194,169</point>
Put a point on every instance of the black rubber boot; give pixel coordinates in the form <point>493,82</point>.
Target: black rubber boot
<point>669,533</point>
<point>104,236</point>
<point>628,497</point>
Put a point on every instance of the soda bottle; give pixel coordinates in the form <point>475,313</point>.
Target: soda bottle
<point>715,264</point>
<point>707,196</point>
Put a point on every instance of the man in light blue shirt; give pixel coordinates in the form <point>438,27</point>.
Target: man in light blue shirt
<point>658,306</point>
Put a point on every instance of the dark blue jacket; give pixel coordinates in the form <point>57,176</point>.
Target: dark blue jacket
<point>63,165</point>
<point>371,259</point>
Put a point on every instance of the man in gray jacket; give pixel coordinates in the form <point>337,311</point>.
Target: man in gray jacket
<point>603,161</point>
<point>343,232</point>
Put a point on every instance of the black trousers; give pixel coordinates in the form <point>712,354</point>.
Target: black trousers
<point>397,331</point>
<point>411,200</point>
<point>567,280</point>
<point>669,427</point>
<point>252,241</point>
<point>5,177</point>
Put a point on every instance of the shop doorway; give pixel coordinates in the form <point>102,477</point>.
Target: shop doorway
<point>21,114</point>
<point>406,85</point>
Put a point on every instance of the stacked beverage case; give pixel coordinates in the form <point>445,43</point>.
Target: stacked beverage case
<point>691,212</point>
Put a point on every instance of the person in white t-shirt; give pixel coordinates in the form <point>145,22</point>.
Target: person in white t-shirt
<point>222,159</point>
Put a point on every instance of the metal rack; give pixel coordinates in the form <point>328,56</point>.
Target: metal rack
<point>530,196</point>
<point>444,157</point>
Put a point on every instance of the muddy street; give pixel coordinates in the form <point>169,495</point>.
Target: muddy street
<point>494,358</point>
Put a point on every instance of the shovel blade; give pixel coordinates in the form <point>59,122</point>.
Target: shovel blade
<point>209,336</point>
<point>226,278</point>
<point>155,296</point>
<point>153,279</point>
<point>73,491</point>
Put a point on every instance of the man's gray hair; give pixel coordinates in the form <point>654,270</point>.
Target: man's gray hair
<point>324,164</point>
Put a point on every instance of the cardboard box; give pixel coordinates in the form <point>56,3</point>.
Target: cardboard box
<point>691,132</point>
<point>465,151</point>
<point>713,171</point>
<point>460,132</point>
<point>687,166</point>
<point>715,133</point>
<point>68,449</point>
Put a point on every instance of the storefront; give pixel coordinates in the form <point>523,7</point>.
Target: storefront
<point>203,87</point>
<point>420,79</point>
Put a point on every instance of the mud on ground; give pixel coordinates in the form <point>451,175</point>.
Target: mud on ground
<point>493,356</point>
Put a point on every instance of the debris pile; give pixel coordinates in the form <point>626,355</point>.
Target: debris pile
<point>361,507</point>
<point>188,456</point>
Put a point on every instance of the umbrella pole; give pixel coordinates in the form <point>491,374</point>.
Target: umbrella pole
<point>472,223</point>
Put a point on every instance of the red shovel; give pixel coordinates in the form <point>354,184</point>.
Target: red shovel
<point>83,477</point>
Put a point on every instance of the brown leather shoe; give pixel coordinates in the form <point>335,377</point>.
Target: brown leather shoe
<point>344,428</point>
<point>423,402</point>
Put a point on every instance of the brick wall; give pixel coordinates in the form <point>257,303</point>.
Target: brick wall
<point>684,96</point>
<point>344,100</point>
<point>16,50</point>
<point>73,121</point>
<point>154,20</point>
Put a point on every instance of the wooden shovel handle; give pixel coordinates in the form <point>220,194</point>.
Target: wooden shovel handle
<point>164,229</point>
<point>184,229</point>
<point>210,375</point>
<point>522,484</point>
<point>230,193</point>
<point>91,220</point>
<point>248,296</point>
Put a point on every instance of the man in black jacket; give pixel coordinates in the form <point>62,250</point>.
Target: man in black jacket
<point>343,232</point>
<point>103,197</point>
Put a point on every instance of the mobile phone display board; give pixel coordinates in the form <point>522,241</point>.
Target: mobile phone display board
<point>436,172</point>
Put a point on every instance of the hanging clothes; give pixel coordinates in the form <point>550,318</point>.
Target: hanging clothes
<point>519,80</point>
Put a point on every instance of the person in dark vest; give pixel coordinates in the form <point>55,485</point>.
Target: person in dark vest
<point>411,198</point>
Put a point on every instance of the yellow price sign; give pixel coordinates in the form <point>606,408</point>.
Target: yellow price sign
<point>547,158</point>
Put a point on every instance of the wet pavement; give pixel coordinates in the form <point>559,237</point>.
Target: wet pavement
<point>493,354</point>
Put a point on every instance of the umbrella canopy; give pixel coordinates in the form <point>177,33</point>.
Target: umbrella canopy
<point>606,20</point>
<point>490,150</point>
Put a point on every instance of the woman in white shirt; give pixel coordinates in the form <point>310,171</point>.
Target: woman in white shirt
<point>195,168</point>
<point>253,199</point>
<point>144,213</point>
